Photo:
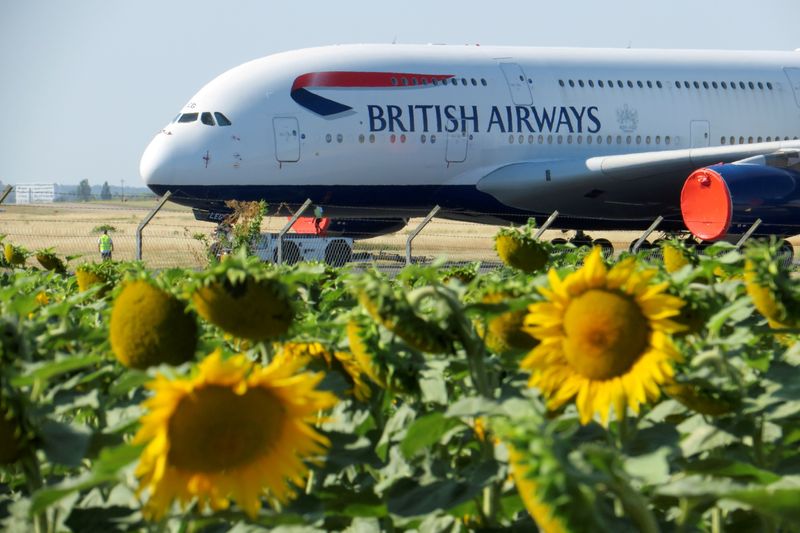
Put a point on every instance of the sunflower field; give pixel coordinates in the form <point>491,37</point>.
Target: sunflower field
<point>568,392</point>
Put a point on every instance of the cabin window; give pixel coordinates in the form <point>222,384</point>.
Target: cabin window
<point>580,82</point>
<point>394,81</point>
<point>705,85</point>
<point>339,138</point>
<point>530,139</point>
<point>361,138</point>
<point>619,84</point>
<point>453,81</point>
<point>188,117</point>
<point>722,140</point>
<point>667,140</point>
<point>464,81</point>
<point>649,84</point>
<point>630,84</point>
<point>658,139</point>
<point>751,85</point>
<point>591,83</point>
<point>328,138</point>
<point>741,85</point>
<point>658,84</point>
<point>561,82</point>
<point>541,139</point>
<point>474,81</point>
<point>433,139</point>
<point>769,86</point>
<point>483,82</point>
<point>222,120</point>
<point>571,83</point>
<point>371,138</point>
<point>600,83</point>
<point>640,84</point>
<point>714,84</point>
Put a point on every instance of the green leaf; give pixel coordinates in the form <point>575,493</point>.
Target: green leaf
<point>106,469</point>
<point>408,498</point>
<point>734,469</point>
<point>652,468</point>
<point>779,500</point>
<point>51,369</point>
<point>426,431</point>
<point>64,444</point>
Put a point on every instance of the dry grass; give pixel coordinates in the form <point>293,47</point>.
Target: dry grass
<point>168,240</point>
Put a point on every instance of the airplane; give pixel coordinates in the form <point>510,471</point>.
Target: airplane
<point>609,138</point>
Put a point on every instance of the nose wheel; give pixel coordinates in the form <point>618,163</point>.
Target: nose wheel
<point>581,239</point>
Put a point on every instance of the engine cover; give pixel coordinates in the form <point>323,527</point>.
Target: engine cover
<point>727,198</point>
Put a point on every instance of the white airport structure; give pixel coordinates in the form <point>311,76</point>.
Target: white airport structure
<point>37,193</point>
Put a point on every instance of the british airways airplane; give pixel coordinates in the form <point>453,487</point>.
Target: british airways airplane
<point>609,138</point>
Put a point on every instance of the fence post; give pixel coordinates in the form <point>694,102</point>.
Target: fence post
<point>647,233</point>
<point>748,233</point>
<point>288,226</point>
<point>146,221</point>
<point>546,225</point>
<point>5,194</point>
<point>419,228</point>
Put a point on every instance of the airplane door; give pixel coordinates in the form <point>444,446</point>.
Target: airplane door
<point>287,139</point>
<point>456,151</point>
<point>794,80</point>
<point>517,83</point>
<point>700,134</point>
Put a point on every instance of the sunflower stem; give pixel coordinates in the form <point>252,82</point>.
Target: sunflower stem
<point>635,506</point>
<point>33,479</point>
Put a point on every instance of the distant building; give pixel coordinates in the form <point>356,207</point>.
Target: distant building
<point>39,193</point>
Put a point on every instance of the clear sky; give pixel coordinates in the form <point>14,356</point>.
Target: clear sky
<point>85,84</point>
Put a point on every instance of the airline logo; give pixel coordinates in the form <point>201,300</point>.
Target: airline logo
<point>325,107</point>
<point>438,118</point>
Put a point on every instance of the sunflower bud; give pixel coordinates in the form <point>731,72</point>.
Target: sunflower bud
<point>14,255</point>
<point>51,261</point>
<point>397,315</point>
<point>150,327</point>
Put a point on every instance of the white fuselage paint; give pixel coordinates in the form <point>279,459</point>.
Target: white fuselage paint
<point>353,149</point>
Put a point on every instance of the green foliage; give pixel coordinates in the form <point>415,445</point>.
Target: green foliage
<point>84,191</point>
<point>105,192</point>
<point>430,450</point>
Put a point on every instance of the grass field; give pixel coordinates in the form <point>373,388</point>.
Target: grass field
<point>169,240</point>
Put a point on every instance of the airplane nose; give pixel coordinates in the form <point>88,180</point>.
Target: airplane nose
<point>156,166</point>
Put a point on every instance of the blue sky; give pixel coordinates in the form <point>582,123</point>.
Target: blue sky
<point>87,83</point>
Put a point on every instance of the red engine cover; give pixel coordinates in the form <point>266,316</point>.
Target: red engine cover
<point>706,204</point>
<point>311,225</point>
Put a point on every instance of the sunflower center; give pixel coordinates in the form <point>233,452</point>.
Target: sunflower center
<point>215,429</point>
<point>605,333</point>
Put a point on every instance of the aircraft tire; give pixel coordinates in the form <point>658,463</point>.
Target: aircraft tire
<point>786,252</point>
<point>338,253</point>
<point>558,241</point>
<point>606,247</point>
<point>291,253</point>
<point>646,245</point>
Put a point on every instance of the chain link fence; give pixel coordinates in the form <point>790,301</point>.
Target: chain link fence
<point>174,238</point>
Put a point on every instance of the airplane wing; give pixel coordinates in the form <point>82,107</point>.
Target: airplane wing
<point>625,187</point>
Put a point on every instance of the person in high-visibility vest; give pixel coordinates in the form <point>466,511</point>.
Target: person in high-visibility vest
<point>105,245</point>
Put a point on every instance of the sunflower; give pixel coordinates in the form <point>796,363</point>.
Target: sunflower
<point>236,430</point>
<point>251,308</point>
<point>149,327</point>
<point>544,515</point>
<point>305,353</point>
<point>518,249</point>
<point>676,256</point>
<point>604,338</point>
<point>504,333</point>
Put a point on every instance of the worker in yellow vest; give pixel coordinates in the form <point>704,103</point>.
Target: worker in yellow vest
<point>106,246</point>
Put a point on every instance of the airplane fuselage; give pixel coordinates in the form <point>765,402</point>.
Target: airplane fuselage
<point>392,130</point>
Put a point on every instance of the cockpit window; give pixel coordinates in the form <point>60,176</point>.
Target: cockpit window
<point>207,119</point>
<point>222,120</point>
<point>174,120</point>
<point>188,117</point>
